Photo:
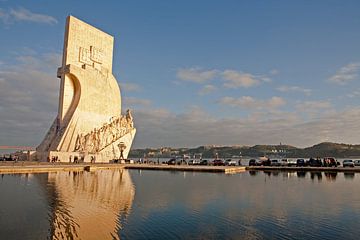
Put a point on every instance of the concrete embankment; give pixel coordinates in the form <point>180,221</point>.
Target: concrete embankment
<point>39,167</point>
<point>35,167</point>
<point>221,169</point>
<point>304,169</point>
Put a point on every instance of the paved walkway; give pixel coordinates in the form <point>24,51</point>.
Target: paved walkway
<point>38,167</point>
<point>305,169</point>
<point>193,168</point>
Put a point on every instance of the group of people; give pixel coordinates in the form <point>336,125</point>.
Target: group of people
<point>53,159</point>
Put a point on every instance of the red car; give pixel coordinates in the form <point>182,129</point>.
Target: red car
<point>330,162</point>
<point>218,162</point>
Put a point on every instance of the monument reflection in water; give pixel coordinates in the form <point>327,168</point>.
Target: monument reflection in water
<point>65,205</point>
<point>87,205</point>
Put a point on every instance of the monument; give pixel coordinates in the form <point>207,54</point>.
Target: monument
<point>89,125</point>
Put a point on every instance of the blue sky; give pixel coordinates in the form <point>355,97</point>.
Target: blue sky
<point>195,72</point>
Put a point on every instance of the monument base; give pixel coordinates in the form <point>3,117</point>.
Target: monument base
<point>106,155</point>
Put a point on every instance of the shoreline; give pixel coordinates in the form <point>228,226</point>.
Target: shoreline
<point>42,167</point>
<point>39,167</point>
<point>303,169</point>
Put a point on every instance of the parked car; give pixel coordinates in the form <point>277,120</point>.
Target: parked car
<point>205,162</point>
<point>181,162</point>
<point>275,162</point>
<point>357,162</point>
<point>218,162</point>
<point>291,162</point>
<point>194,162</point>
<point>300,162</point>
<point>230,162</point>
<point>314,162</point>
<point>348,163</point>
<point>266,162</point>
<point>330,162</point>
<point>253,162</point>
<point>284,162</point>
<point>287,162</point>
<point>171,161</point>
<point>8,157</point>
<point>176,161</point>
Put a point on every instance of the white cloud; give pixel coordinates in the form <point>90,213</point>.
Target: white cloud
<point>313,106</point>
<point>28,98</point>
<point>130,87</point>
<point>248,102</point>
<point>284,88</point>
<point>196,127</point>
<point>274,72</point>
<point>207,89</point>
<point>235,79</point>
<point>353,94</point>
<point>231,78</point>
<point>346,74</point>
<point>25,15</point>
<point>132,101</point>
<point>195,74</point>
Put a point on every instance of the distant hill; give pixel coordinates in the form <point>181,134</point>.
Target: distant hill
<point>339,150</point>
<point>332,149</point>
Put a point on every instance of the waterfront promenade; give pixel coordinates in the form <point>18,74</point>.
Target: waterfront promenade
<point>39,167</point>
<point>303,169</point>
<point>197,168</point>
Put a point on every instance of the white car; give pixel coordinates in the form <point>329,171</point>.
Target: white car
<point>194,162</point>
<point>357,162</point>
<point>284,162</point>
<point>348,163</point>
<point>230,162</point>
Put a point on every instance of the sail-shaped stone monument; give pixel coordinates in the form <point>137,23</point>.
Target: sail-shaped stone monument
<point>89,125</point>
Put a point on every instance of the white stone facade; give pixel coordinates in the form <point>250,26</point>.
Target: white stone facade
<point>89,124</point>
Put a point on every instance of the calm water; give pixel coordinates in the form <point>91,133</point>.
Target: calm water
<point>133,204</point>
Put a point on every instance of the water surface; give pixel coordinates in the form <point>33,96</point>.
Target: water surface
<point>135,204</point>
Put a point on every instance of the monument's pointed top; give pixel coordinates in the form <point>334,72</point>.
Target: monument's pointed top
<point>72,18</point>
<point>85,44</point>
